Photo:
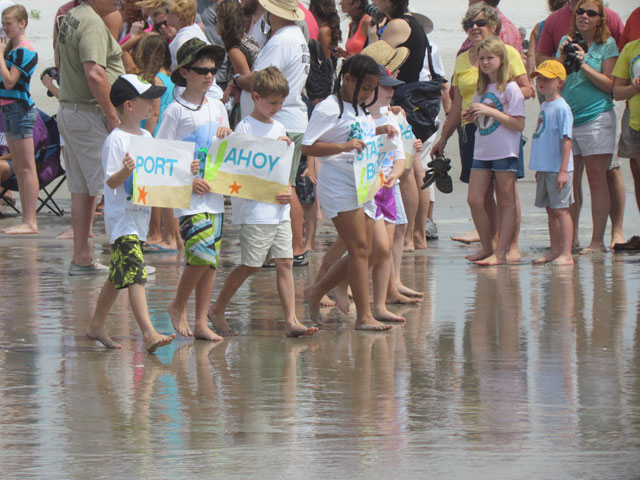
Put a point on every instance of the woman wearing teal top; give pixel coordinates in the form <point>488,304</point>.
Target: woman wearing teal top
<point>588,91</point>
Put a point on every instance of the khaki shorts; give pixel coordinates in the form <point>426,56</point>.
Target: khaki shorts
<point>597,137</point>
<point>296,138</point>
<point>547,194</point>
<point>84,134</point>
<point>629,145</point>
<point>262,242</point>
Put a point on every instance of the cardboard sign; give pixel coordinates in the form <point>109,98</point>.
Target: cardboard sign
<point>406,133</point>
<point>367,167</point>
<point>249,167</point>
<point>162,177</point>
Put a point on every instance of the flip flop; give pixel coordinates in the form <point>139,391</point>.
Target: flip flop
<point>437,172</point>
<point>155,248</point>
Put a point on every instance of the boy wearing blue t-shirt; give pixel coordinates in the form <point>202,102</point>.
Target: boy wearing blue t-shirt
<point>552,160</point>
<point>126,223</point>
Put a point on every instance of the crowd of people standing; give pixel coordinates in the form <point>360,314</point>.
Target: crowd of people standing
<point>276,69</point>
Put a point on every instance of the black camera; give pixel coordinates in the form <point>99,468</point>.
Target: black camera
<point>53,72</point>
<point>373,12</point>
<point>572,62</point>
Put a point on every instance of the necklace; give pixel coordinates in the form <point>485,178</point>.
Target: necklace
<point>177,99</point>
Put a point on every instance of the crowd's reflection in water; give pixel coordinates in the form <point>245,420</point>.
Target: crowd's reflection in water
<point>542,360</point>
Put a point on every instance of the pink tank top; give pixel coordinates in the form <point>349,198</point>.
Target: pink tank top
<point>356,43</point>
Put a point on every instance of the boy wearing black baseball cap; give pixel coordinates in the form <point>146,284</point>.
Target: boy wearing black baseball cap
<point>126,223</point>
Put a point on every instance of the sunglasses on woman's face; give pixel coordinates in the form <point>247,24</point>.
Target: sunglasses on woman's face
<point>468,25</point>
<point>161,24</point>
<point>203,71</point>
<point>590,13</point>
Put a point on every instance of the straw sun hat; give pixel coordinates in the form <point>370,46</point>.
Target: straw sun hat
<point>287,9</point>
<point>387,56</point>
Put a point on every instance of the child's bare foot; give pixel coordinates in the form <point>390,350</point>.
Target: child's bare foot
<point>156,341</point>
<point>313,302</point>
<point>297,329</point>
<point>563,260</point>
<point>593,248</point>
<point>372,325</point>
<point>404,290</point>
<point>409,247</point>
<point>492,260</point>
<point>384,315</point>
<point>23,229</point>
<point>419,240</point>
<point>220,324</point>
<point>179,320</point>
<point>100,334</point>
<point>480,255</point>
<point>549,257</point>
<point>514,255</point>
<point>205,333</point>
<point>468,238</point>
<point>325,301</point>
<point>342,298</point>
<point>397,298</point>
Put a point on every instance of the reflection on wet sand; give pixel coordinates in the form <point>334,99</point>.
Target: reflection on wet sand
<point>515,369</point>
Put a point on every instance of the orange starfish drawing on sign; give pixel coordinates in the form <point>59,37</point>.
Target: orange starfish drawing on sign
<point>235,188</point>
<point>142,195</point>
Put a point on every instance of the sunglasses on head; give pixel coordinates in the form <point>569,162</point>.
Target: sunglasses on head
<point>468,25</point>
<point>590,13</point>
<point>202,70</point>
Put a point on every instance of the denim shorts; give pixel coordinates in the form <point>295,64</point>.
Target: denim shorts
<point>502,165</point>
<point>19,119</point>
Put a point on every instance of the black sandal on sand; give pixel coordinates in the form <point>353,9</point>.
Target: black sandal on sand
<point>438,173</point>
<point>631,245</point>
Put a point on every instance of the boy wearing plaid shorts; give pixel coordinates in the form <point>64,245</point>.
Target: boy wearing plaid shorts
<point>126,223</point>
<point>195,117</point>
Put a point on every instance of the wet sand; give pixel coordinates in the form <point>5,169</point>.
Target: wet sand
<point>508,371</point>
<point>504,372</point>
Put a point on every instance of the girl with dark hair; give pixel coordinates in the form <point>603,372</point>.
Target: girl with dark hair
<point>328,20</point>
<point>241,48</point>
<point>339,128</point>
<point>358,27</point>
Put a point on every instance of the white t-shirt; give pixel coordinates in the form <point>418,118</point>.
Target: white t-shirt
<point>288,51</point>
<point>325,126</point>
<point>246,211</point>
<point>121,217</point>
<point>398,153</point>
<point>438,66</point>
<point>199,127</point>
<point>493,140</point>
<point>256,31</point>
<point>183,35</point>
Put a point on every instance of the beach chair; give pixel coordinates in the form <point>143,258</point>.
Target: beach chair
<point>51,175</point>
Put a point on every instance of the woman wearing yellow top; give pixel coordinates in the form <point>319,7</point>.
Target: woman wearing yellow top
<point>480,21</point>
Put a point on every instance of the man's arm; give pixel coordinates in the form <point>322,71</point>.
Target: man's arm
<point>99,86</point>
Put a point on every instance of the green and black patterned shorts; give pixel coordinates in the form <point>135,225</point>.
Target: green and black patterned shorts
<point>127,262</point>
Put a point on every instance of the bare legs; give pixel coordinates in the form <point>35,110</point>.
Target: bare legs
<point>83,207</point>
<point>596,167</point>
<point>24,165</point>
<point>201,278</point>
<point>561,237</point>
<point>96,328</point>
<point>410,199</point>
<point>356,230</point>
<point>617,199</point>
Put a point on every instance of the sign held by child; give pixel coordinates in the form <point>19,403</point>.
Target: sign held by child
<point>249,167</point>
<point>162,176</point>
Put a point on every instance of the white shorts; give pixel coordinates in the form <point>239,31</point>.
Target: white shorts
<point>597,137</point>
<point>262,242</point>
<point>401,216</point>
<point>336,189</point>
